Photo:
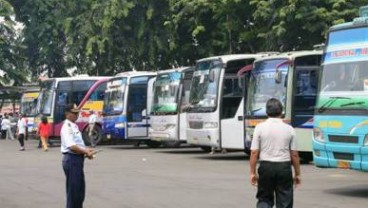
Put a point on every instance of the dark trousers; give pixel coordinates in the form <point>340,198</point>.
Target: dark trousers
<point>75,185</point>
<point>275,179</point>
<point>21,139</point>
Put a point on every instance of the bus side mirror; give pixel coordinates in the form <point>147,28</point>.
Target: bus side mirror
<point>278,76</point>
<point>211,76</point>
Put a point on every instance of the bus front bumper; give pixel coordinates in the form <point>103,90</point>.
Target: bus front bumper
<point>340,156</point>
<point>203,137</point>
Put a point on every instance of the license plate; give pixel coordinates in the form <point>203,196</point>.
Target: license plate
<point>343,164</point>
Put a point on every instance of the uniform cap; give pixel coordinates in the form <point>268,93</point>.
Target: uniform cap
<point>72,108</point>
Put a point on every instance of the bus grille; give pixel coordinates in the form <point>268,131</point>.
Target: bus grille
<point>343,139</point>
<point>343,156</point>
<point>196,124</point>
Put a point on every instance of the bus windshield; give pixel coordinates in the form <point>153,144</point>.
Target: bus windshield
<point>204,88</point>
<point>28,105</point>
<point>166,88</point>
<point>114,97</point>
<point>44,104</point>
<point>344,75</point>
<point>263,86</point>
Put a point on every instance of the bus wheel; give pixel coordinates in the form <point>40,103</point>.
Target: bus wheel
<point>153,144</point>
<point>96,135</point>
<point>206,149</point>
<point>247,151</point>
<point>306,157</point>
<point>172,144</point>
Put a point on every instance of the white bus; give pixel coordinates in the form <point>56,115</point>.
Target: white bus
<point>28,106</point>
<point>292,78</point>
<point>127,107</point>
<point>170,98</point>
<point>216,104</point>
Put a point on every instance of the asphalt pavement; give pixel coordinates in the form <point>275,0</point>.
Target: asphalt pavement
<point>138,177</point>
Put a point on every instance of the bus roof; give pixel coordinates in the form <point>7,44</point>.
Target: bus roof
<point>180,69</point>
<point>135,73</point>
<point>227,58</point>
<point>291,55</point>
<point>76,78</point>
<point>361,21</point>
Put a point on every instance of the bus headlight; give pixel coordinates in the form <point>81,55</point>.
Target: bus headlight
<point>210,125</point>
<point>318,134</point>
<point>120,125</point>
<point>365,140</point>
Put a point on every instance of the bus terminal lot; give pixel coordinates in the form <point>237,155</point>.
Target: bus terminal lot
<point>131,177</point>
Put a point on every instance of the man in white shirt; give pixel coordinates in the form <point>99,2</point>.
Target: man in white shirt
<point>21,131</point>
<point>74,151</point>
<point>91,125</point>
<point>275,144</point>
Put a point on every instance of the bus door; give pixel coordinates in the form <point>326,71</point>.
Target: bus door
<point>306,71</point>
<point>136,107</point>
<point>232,106</point>
<point>184,102</point>
<point>68,92</point>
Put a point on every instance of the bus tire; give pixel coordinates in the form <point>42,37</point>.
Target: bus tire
<point>171,144</point>
<point>306,157</point>
<point>206,148</point>
<point>96,135</point>
<point>153,144</point>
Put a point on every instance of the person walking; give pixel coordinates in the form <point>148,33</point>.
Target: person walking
<point>6,126</point>
<point>275,144</point>
<point>91,125</point>
<point>74,151</point>
<point>43,131</point>
<point>21,131</point>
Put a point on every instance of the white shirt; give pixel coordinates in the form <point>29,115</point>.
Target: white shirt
<point>92,119</point>
<point>5,124</point>
<point>70,135</point>
<point>274,139</point>
<point>22,125</point>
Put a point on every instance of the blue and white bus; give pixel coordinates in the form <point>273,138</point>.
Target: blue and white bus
<point>170,99</point>
<point>127,107</point>
<point>341,120</point>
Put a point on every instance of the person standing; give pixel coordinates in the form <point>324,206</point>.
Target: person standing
<point>6,126</point>
<point>21,131</point>
<point>275,144</point>
<point>91,125</point>
<point>43,131</point>
<point>74,151</point>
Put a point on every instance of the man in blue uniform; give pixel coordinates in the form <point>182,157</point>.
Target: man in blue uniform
<point>74,151</point>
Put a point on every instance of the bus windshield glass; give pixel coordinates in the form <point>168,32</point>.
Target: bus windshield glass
<point>263,85</point>
<point>344,75</point>
<point>114,97</point>
<point>166,88</point>
<point>205,86</point>
<point>28,105</point>
<point>44,104</point>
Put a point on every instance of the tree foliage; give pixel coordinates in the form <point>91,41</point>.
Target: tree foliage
<point>103,37</point>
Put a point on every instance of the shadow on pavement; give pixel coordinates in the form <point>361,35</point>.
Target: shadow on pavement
<point>351,191</point>
<point>188,150</point>
<point>224,157</point>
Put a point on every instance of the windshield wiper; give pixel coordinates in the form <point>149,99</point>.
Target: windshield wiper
<point>329,102</point>
<point>255,110</point>
<point>352,103</point>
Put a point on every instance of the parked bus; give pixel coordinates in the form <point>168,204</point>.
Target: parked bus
<point>341,127</point>
<point>28,106</point>
<point>170,98</point>
<point>292,78</point>
<point>215,111</point>
<point>84,91</point>
<point>127,107</point>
